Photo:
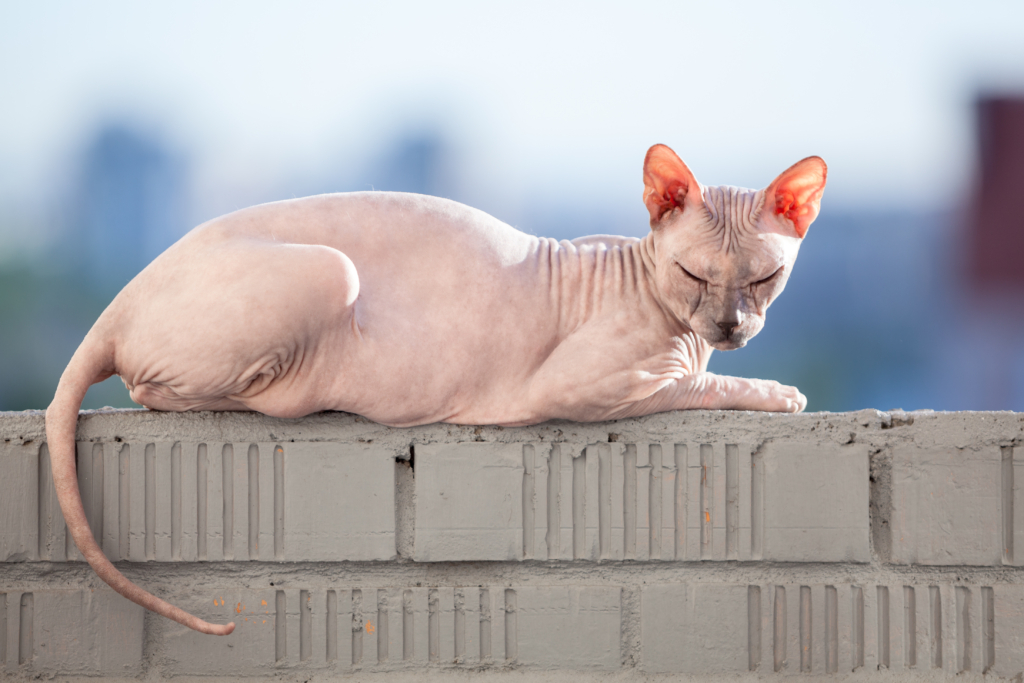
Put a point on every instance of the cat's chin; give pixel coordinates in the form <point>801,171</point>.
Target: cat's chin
<point>728,345</point>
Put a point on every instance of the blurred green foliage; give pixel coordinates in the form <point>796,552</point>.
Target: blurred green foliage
<point>45,313</point>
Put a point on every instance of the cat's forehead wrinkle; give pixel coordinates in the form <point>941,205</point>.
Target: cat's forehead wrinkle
<point>732,213</point>
<point>733,207</point>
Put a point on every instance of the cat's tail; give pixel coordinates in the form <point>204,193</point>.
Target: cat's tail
<point>94,362</point>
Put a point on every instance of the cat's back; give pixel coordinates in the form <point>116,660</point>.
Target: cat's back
<point>375,229</point>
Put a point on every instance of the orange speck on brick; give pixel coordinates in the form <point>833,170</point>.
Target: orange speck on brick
<point>369,627</point>
<point>264,621</point>
<point>707,516</point>
<point>264,603</point>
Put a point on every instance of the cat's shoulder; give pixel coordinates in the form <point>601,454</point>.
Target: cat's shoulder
<point>606,241</point>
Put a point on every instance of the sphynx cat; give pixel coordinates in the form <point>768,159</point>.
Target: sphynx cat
<point>410,310</point>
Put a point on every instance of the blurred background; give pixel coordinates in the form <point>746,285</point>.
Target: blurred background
<point>123,125</point>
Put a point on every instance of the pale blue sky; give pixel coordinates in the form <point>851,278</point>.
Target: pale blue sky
<point>555,99</point>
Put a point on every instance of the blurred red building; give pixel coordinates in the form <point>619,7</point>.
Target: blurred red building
<point>996,222</point>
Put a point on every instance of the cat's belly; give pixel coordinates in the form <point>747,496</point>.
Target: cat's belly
<point>403,368</point>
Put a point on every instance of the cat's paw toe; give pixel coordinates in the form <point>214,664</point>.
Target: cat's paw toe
<point>795,401</point>
<point>786,399</point>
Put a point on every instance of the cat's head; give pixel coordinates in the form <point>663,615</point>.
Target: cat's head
<point>722,254</point>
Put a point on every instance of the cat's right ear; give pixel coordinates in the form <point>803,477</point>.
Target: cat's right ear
<point>795,196</point>
<point>668,183</point>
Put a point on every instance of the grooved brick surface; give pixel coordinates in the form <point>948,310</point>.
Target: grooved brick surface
<point>699,544</point>
<point>19,486</point>
<point>171,501</point>
<point>829,629</point>
<point>347,629</point>
<point>694,628</point>
<point>645,501</point>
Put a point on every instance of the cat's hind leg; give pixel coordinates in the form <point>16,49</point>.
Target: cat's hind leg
<point>253,325</point>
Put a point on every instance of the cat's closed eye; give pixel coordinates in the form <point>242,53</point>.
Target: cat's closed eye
<point>699,281</point>
<point>770,278</point>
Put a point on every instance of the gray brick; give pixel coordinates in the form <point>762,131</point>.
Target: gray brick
<point>946,506</point>
<point>19,502</point>
<point>70,632</point>
<point>339,502</point>
<point>469,502</point>
<point>148,502</point>
<point>1004,637</point>
<point>693,628</point>
<point>815,502</point>
<point>252,648</point>
<point>575,627</point>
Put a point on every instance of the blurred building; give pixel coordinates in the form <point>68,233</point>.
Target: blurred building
<point>129,205</point>
<point>991,325</point>
<point>996,219</point>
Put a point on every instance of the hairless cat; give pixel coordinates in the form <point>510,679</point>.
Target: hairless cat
<point>408,309</point>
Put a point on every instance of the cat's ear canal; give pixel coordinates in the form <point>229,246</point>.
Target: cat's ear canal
<point>795,196</point>
<point>668,183</point>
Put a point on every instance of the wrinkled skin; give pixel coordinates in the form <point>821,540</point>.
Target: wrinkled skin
<point>409,309</point>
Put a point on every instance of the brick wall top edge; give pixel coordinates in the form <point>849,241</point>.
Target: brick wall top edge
<point>922,428</point>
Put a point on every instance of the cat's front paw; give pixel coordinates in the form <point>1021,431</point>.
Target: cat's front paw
<point>719,392</point>
<point>785,399</point>
<point>771,396</point>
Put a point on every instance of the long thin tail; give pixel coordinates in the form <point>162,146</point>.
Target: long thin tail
<point>94,362</point>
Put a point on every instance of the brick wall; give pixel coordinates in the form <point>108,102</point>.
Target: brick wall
<point>706,543</point>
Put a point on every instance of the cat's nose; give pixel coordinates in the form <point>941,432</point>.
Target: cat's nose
<point>727,328</point>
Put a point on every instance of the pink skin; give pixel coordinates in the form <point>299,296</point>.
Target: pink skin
<point>410,310</point>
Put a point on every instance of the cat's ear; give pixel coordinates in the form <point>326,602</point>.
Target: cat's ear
<point>795,196</point>
<point>668,183</point>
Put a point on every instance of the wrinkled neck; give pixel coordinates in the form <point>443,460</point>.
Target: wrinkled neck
<point>592,280</point>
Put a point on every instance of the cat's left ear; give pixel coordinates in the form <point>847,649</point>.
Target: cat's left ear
<point>795,196</point>
<point>668,184</point>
